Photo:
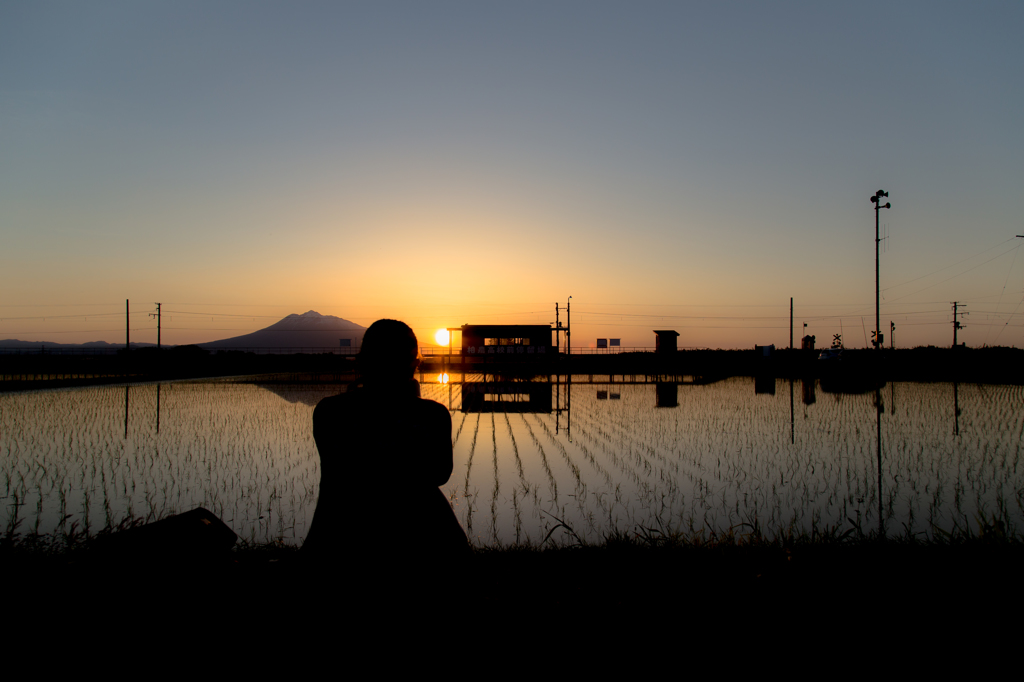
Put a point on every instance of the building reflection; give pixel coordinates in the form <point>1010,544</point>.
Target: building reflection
<point>807,388</point>
<point>666,394</point>
<point>764,384</point>
<point>506,396</point>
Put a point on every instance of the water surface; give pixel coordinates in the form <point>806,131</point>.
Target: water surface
<point>532,462</point>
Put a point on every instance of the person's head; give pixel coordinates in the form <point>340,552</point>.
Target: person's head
<point>389,351</point>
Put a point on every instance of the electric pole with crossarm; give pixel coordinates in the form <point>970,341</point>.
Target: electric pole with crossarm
<point>157,316</point>
<point>957,325</point>
<point>877,201</point>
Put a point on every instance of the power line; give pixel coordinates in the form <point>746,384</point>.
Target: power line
<point>954,276</point>
<point>62,317</point>
<point>52,305</point>
<point>609,324</point>
<point>1006,281</point>
<point>690,317</point>
<point>1007,323</point>
<point>740,322</point>
<point>946,267</point>
<point>87,331</point>
<point>272,331</point>
<point>746,317</point>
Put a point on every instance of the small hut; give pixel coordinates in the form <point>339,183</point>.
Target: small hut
<point>665,341</point>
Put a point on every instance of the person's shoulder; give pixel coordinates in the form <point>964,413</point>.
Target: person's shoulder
<point>331,405</point>
<point>433,408</point>
<point>428,404</point>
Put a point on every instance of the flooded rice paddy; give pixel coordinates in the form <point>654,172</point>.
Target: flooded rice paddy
<point>533,462</point>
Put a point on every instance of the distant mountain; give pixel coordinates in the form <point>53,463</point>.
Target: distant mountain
<point>308,330</point>
<point>15,343</point>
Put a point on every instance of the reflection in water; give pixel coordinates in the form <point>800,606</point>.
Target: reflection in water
<point>956,410</point>
<point>879,410</point>
<point>563,403</point>
<point>298,393</point>
<point>764,385</point>
<point>238,450</point>
<point>792,431</point>
<point>666,394</point>
<point>506,396</point>
<point>807,387</point>
<point>719,459</point>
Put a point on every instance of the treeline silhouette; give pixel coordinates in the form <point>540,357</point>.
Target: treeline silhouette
<point>983,365</point>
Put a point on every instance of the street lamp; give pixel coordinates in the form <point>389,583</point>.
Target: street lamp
<point>877,201</point>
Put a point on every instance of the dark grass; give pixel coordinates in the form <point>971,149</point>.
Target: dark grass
<point>629,577</point>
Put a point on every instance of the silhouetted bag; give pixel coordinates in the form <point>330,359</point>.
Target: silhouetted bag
<point>193,535</point>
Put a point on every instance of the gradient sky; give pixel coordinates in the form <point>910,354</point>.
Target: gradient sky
<point>670,165</point>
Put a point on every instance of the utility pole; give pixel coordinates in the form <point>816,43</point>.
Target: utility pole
<point>956,323</point>
<point>568,327</point>
<point>558,330</point>
<point>877,201</point>
<point>127,327</point>
<point>791,323</point>
<point>157,316</point>
<point>892,334</point>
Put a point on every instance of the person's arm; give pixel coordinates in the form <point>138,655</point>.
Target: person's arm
<point>322,435</point>
<point>438,455</point>
<point>325,428</point>
<point>319,432</point>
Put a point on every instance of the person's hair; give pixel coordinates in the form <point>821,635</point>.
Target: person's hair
<point>389,349</point>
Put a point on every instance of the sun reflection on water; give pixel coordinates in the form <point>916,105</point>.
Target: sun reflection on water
<point>723,455</point>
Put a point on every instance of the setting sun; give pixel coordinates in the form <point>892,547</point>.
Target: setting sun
<point>442,337</point>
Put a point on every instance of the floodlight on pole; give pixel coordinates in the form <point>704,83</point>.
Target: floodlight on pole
<point>877,201</point>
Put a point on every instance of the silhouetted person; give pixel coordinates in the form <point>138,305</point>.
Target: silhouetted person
<point>384,452</point>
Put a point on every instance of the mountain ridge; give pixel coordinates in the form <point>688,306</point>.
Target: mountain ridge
<point>306,330</point>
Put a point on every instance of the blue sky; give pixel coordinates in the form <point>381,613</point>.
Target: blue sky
<point>690,165</point>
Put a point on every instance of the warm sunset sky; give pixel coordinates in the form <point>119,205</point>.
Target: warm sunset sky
<point>670,165</point>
